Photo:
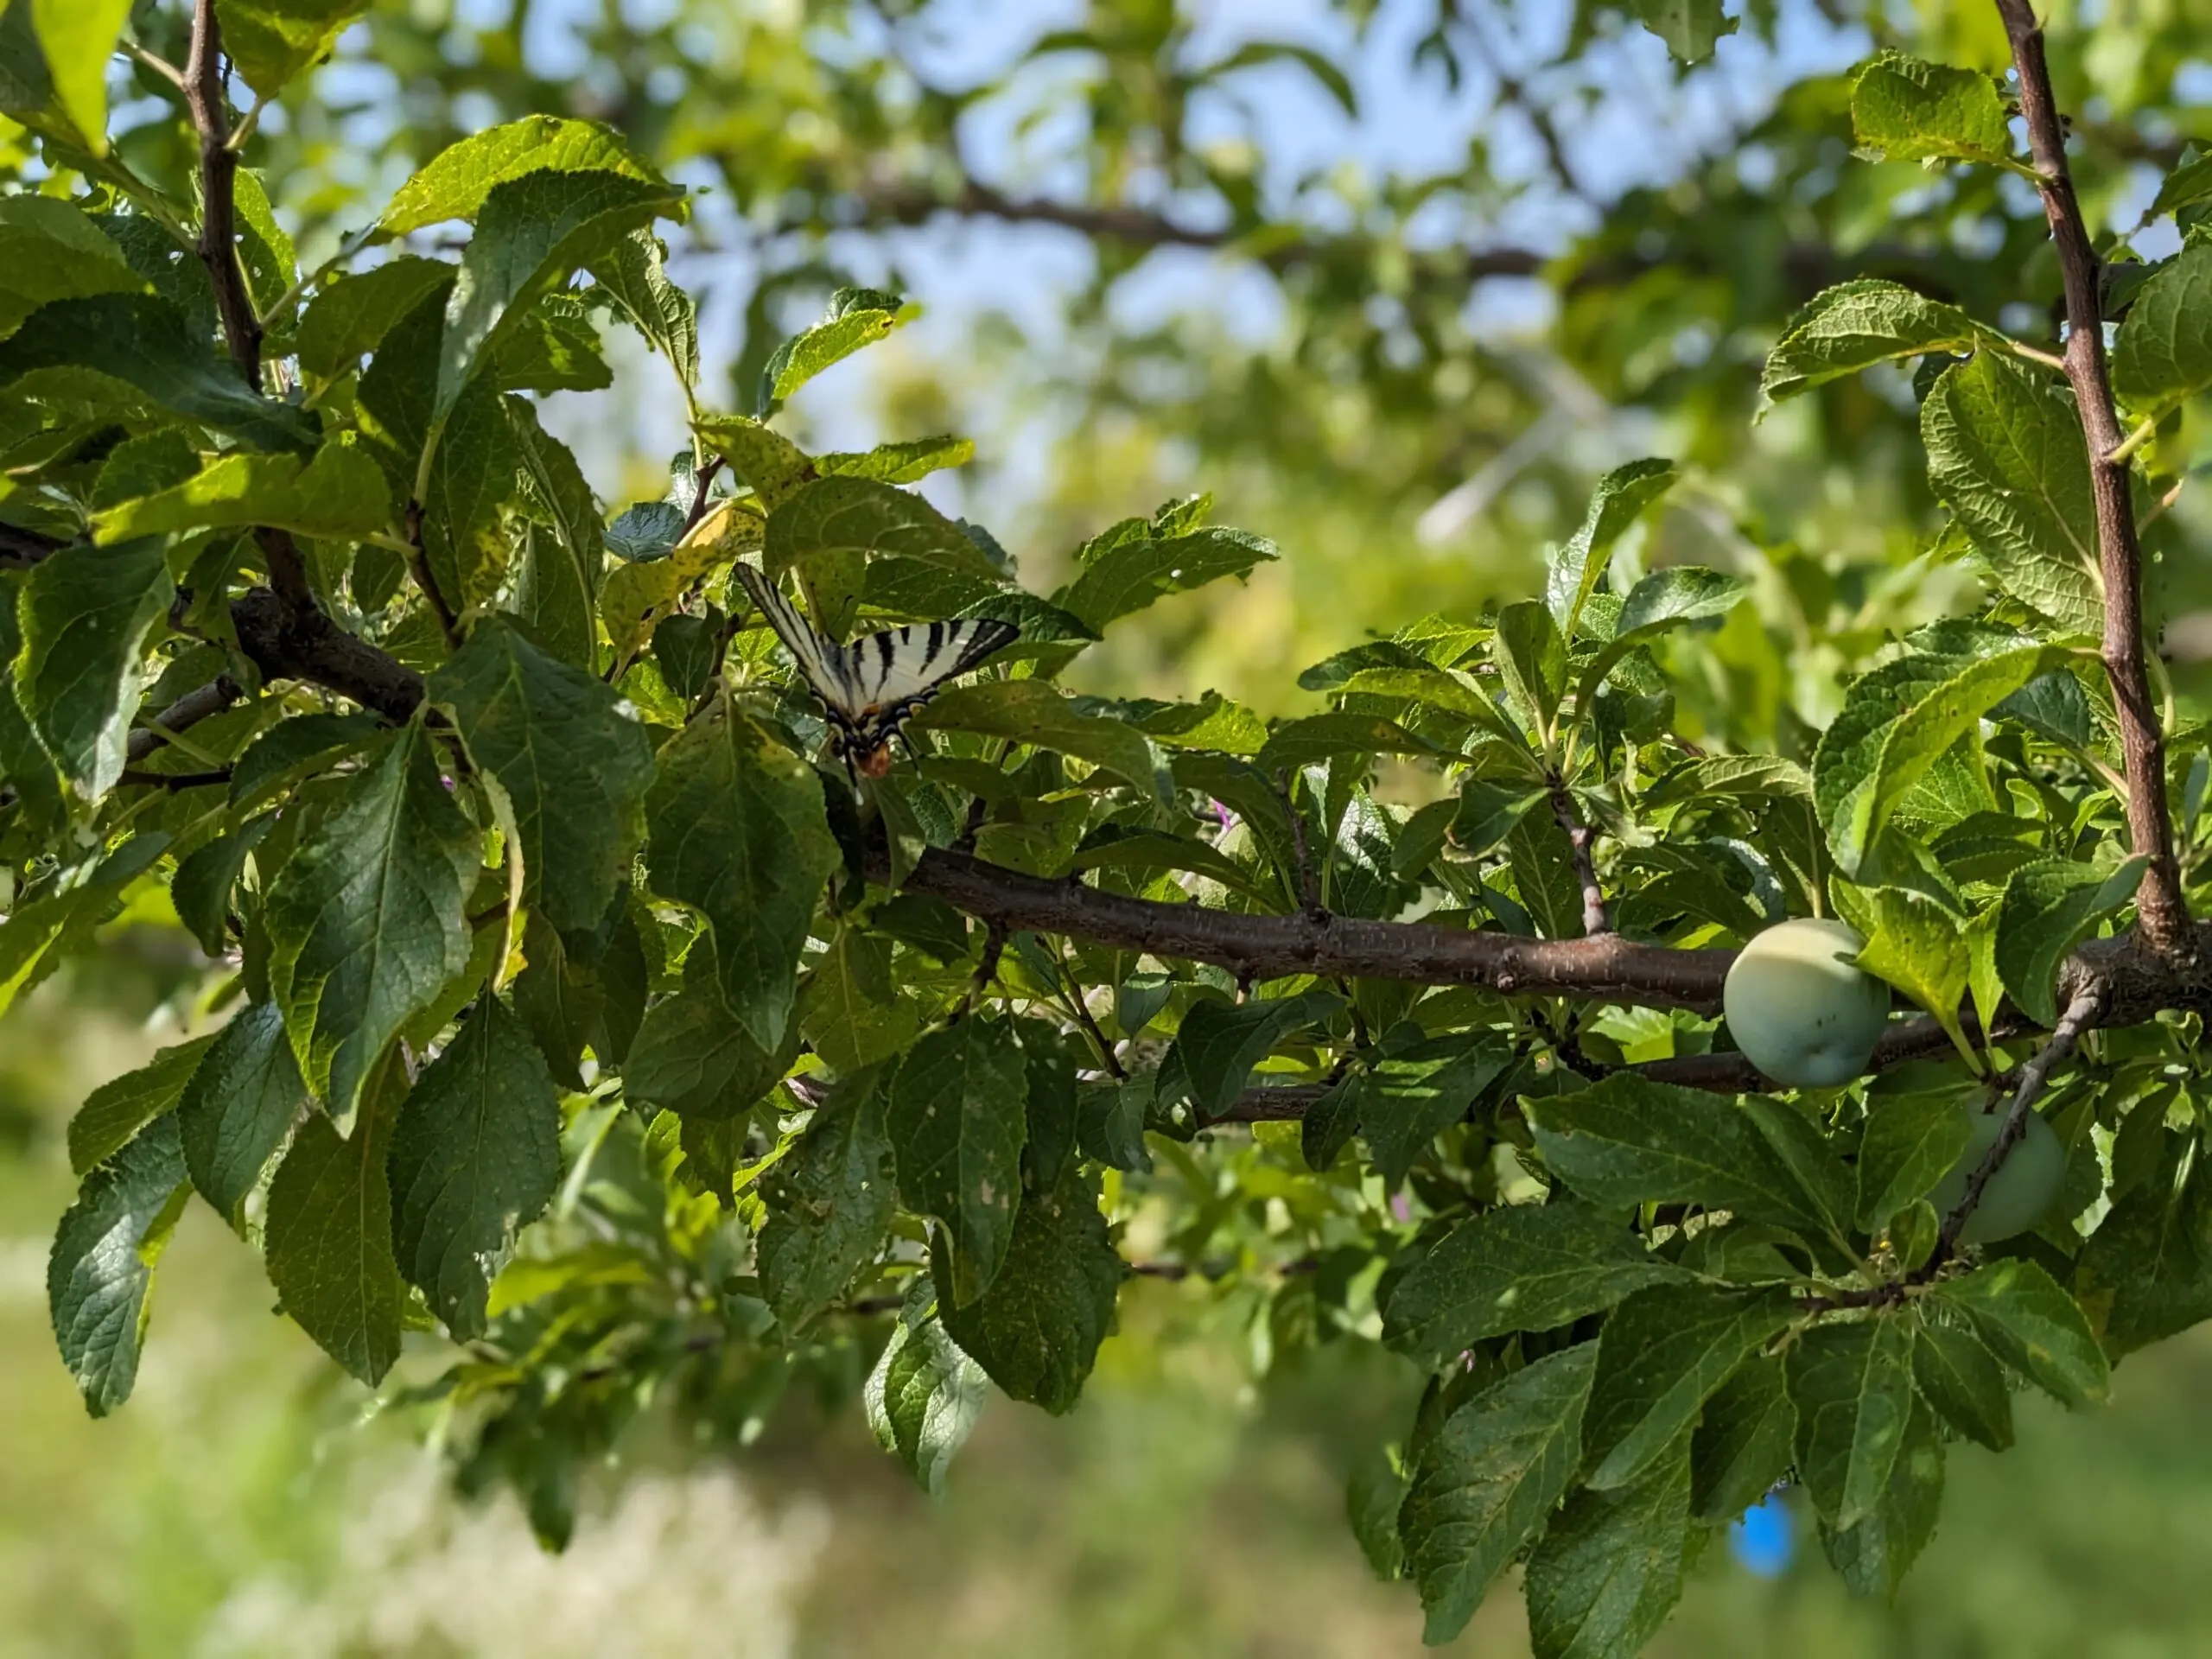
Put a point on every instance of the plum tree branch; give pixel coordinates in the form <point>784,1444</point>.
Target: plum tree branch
<point>1581,841</point>
<point>2161,912</point>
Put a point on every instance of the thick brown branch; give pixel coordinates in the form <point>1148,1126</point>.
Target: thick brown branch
<point>2162,914</point>
<point>1604,970</point>
<point>290,644</point>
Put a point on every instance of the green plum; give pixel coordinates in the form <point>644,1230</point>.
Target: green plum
<point>2021,1191</point>
<point>1800,1007</point>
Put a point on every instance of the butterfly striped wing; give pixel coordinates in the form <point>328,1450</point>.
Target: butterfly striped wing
<point>872,687</point>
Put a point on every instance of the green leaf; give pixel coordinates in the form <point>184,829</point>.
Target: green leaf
<point>2189,182</point>
<point>458,180</point>
<point>1031,712</point>
<point>1298,743</point>
<point>957,1118</point>
<point>121,1107</point>
<point>1372,1498</point>
<point>302,744</point>
<point>1488,813</point>
<point>1330,1123</point>
<point>1911,1142</point>
<point>1663,1353</point>
<point>340,494</point>
<point>738,832</point>
<point>1410,1098</point>
<point>328,1239</point>
<point>902,462</point>
<point>1962,1379</point>
<point>1036,1328</point>
<point>1853,1386</point>
<point>1531,658</point>
<point>201,887</point>
<point>1518,1267</point>
<point>1873,1555</point>
<point>1916,945</point>
<point>856,317</point>
<point>365,919</point>
<point>350,315</point>
<point>2164,355</point>
<point>1744,1443</point>
<point>2005,454</point>
<point>1690,27</point>
<point>572,766</point>
<point>1132,575</point>
<point>79,37</point>
<point>102,1265</point>
<point>763,458</point>
<point>693,1057</point>
<point>2048,907</point>
<point>556,589</point>
<point>533,233</point>
<point>1627,1140</point>
<point>1219,1043</point>
<point>1736,775</point>
<point>2146,1274</point>
<point>925,1395</point>
<point>1609,1568</point>
<point>1908,110</point>
<point>83,614</point>
<point>1488,1478</point>
<point>848,1007</point>
<point>1573,573</point>
<point>830,1201</point>
<point>1662,601</point>
<point>1857,324</point>
<point>269,41</point>
<point>36,935</point>
<point>50,251</point>
<point>2034,1327</point>
<point>240,1105</point>
<point>476,1157</point>
<point>147,344</point>
<point>833,516</point>
<point>634,275</point>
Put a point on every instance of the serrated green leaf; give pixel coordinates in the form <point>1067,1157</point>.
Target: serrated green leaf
<point>1573,573</point>
<point>2034,1327</point>
<point>36,935</point>
<point>1520,1267</point>
<point>1853,1387</point>
<point>2048,907</point>
<point>50,251</point>
<point>903,462</point>
<point>1627,1140</point>
<point>238,1105</point>
<point>1035,1329</point>
<point>833,516</point>
<point>1531,658</point>
<point>1412,1097</point>
<point>1962,1381</point>
<point>350,316</point>
<point>556,586</point>
<point>573,767</point>
<point>634,275</point>
<point>1030,711</point>
<point>147,344</point>
<point>533,233</point>
<point>79,37</point>
<point>1909,110</point>
<point>925,1395</point>
<point>1743,1446</point>
<point>2005,454</point>
<point>830,1201</point>
<point>737,831</point>
<point>102,1265</point>
<point>1662,601</point>
<point>1488,1478</point>
<point>1854,326</point>
<point>957,1119</point>
<point>692,1057</point>
<point>1317,738</point>
<point>1372,1498</point>
<point>1690,27</point>
<point>856,317</point>
<point>1131,575</point>
<point>121,1107</point>
<point>365,919</point>
<point>2163,354</point>
<point>1873,1555</point>
<point>83,614</point>
<point>475,1156</point>
<point>340,495</point>
<point>1219,1043</point>
<point>2146,1272</point>
<point>1663,1353</point>
<point>761,457</point>
<point>1739,775</point>
<point>1916,945</point>
<point>1609,1567</point>
<point>200,889</point>
<point>269,41</point>
<point>457,181</point>
<point>328,1239</point>
<point>1911,1142</point>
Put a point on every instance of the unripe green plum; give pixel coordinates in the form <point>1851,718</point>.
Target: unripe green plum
<point>1800,1007</point>
<point>2021,1191</point>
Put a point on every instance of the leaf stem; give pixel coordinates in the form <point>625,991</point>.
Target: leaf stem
<point>2144,431</point>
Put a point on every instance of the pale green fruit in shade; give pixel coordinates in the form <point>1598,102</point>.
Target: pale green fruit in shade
<point>1801,1008</point>
<point>2021,1191</point>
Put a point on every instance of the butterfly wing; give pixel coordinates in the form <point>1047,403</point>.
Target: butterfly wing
<point>823,666</point>
<point>895,673</point>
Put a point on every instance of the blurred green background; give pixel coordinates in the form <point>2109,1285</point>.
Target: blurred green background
<point>1159,252</point>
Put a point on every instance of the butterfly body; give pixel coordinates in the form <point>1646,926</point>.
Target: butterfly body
<point>868,689</point>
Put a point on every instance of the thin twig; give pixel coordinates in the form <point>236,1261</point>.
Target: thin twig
<point>2162,913</point>
<point>1582,841</point>
<point>160,66</point>
<point>205,101</point>
<point>705,476</point>
<point>175,779</point>
<point>418,566</point>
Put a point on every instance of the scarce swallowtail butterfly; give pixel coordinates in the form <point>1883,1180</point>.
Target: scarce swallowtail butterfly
<point>869,688</point>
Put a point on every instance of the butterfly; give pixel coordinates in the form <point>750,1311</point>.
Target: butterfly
<point>870,688</point>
